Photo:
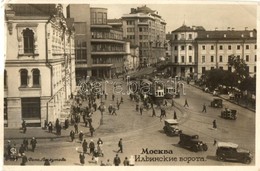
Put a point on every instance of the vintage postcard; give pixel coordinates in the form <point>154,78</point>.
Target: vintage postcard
<point>164,84</point>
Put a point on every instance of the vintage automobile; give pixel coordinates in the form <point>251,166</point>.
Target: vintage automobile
<point>192,142</point>
<point>217,102</point>
<point>171,127</point>
<point>229,114</point>
<point>227,151</point>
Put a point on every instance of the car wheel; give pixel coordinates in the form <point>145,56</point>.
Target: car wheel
<point>221,158</point>
<point>247,160</point>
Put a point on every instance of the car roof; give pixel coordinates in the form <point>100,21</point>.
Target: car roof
<point>171,121</point>
<point>227,144</point>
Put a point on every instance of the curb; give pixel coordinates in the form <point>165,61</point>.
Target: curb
<point>226,99</point>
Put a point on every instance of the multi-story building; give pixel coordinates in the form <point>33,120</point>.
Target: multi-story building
<point>145,28</point>
<point>39,71</point>
<point>105,47</point>
<point>215,47</point>
<point>195,50</point>
<point>184,50</point>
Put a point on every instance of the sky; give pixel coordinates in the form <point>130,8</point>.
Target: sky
<point>210,16</point>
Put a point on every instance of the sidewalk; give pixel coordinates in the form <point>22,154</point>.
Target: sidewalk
<point>39,133</point>
<point>226,97</point>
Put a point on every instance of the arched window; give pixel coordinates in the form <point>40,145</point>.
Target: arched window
<point>24,77</point>
<point>28,40</point>
<point>36,77</point>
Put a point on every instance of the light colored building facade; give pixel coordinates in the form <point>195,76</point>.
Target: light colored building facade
<point>145,28</point>
<point>215,47</point>
<point>39,66</point>
<point>195,50</point>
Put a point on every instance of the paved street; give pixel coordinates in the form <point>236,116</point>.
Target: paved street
<point>145,132</point>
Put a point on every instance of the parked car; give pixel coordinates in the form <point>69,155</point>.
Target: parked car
<point>171,127</point>
<point>192,142</point>
<point>217,102</point>
<point>227,151</point>
<point>229,114</point>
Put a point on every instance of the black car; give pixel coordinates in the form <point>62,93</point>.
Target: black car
<point>227,151</point>
<point>229,114</point>
<point>192,142</point>
<point>217,102</point>
<point>171,127</point>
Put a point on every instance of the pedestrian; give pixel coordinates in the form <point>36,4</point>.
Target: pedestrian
<point>186,103</point>
<point>21,150</point>
<point>76,128</point>
<point>126,162</point>
<point>113,97</point>
<point>82,158</point>
<point>165,103</point>
<point>58,129</point>
<point>95,156</point>
<point>172,102</point>
<point>118,104</point>
<point>8,148</point>
<point>214,124</point>
<point>110,108</point>
<point>46,162</point>
<point>141,109</point>
<point>99,142</point>
<point>105,96</point>
<point>174,115</point>
<point>113,111</point>
<point>24,160</point>
<point>137,107</point>
<point>81,136</point>
<point>204,108</point>
<point>131,161</point>
<point>25,143</point>
<point>122,100</point>
<point>72,135</point>
<point>117,160</point>
<point>91,130</point>
<point>215,142</point>
<point>33,143</point>
<point>45,124</point>
<point>66,124</point>
<point>153,112</point>
<point>57,123</point>
<point>120,145</point>
<point>24,126</point>
<point>50,127</point>
<point>91,147</point>
<point>85,146</point>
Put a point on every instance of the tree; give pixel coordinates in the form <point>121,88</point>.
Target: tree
<point>240,66</point>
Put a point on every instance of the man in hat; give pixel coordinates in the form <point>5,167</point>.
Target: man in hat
<point>91,146</point>
<point>120,145</point>
<point>72,135</point>
<point>117,160</point>
<point>85,146</point>
<point>81,136</point>
<point>33,143</point>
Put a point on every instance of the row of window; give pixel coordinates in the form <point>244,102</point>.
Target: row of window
<point>203,69</point>
<point>176,59</point>
<point>212,58</point>
<point>107,60</point>
<point>24,78</point>
<point>98,18</point>
<point>107,35</point>
<point>107,48</point>
<point>183,47</point>
<point>182,36</point>
<point>229,47</point>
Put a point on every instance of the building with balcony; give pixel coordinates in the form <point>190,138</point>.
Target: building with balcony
<point>105,48</point>
<point>195,50</point>
<point>145,28</point>
<point>39,73</point>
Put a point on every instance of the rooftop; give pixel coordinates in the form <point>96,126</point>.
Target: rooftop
<point>226,34</point>
<point>185,28</point>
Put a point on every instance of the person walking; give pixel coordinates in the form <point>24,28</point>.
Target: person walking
<point>85,146</point>
<point>214,124</point>
<point>137,107</point>
<point>122,100</point>
<point>113,110</point>
<point>24,126</point>
<point>33,143</point>
<point>153,112</point>
<point>95,156</point>
<point>82,158</point>
<point>24,160</point>
<point>120,145</point>
<point>110,108</point>
<point>21,150</point>
<point>186,103</point>
<point>91,130</point>
<point>174,115</point>
<point>76,128</point>
<point>117,160</point>
<point>113,97</point>
<point>141,109</point>
<point>91,147</point>
<point>72,135</point>
<point>204,108</point>
<point>81,136</point>
<point>50,127</point>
